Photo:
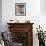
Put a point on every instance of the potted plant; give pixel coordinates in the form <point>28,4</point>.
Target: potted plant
<point>41,36</point>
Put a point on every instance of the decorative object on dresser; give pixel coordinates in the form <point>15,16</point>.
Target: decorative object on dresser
<point>20,9</point>
<point>13,21</point>
<point>22,33</point>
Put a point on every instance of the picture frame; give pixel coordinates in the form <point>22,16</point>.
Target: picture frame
<point>20,9</point>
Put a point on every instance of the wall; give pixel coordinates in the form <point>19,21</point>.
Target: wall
<point>33,13</point>
<point>0,15</point>
<point>43,14</point>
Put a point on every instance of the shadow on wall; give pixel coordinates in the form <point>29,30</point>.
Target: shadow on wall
<point>43,6</point>
<point>0,15</point>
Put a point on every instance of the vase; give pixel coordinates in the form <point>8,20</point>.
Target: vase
<point>41,43</point>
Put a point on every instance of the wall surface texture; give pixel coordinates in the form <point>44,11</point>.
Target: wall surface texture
<point>0,15</point>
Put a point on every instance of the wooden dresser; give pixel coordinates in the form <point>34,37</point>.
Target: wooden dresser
<point>22,33</point>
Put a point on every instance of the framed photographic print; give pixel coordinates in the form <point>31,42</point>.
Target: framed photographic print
<point>20,9</point>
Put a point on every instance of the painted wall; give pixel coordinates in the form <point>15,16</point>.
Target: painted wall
<point>0,15</point>
<point>33,13</point>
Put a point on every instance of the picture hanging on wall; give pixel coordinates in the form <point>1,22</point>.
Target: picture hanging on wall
<point>20,9</point>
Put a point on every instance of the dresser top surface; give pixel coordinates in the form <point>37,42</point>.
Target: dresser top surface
<point>19,23</point>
